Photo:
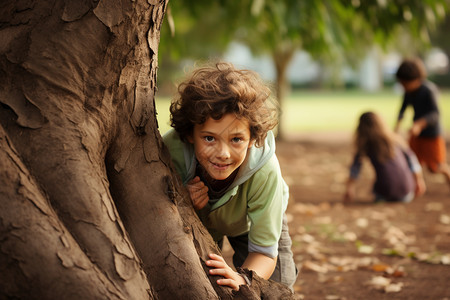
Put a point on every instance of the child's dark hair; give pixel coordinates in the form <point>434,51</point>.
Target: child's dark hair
<point>373,137</point>
<point>411,69</point>
<point>214,91</point>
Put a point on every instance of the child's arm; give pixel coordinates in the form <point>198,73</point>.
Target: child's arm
<point>400,115</point>
<point>397,126</point>
<point>416,169</point>
<point>355,168</point>
<point>258,262</point>
<point>420,184</point>
<point>198,192</point>
<point>418,126</point>
<point>350,190</point>
<point>262,264</point>
<point>220,267</point>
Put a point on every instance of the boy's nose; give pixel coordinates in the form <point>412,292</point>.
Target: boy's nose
<point>223,151</point>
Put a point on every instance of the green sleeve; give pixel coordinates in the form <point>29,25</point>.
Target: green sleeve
<point>266,204</point>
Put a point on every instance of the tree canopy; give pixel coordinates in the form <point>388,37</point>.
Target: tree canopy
<point>330,31</point>
<point>335,32</point>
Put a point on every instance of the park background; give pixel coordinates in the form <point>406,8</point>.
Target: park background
<point>327,63</point>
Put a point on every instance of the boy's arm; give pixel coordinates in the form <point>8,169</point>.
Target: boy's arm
<point>350,190</point>
<point>418,126</point>
<point>262,264</point>
<point>401,112</point>
<point>258,262</point>
<point>397,125</point>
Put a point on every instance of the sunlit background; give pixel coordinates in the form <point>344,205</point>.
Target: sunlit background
<point>326,62</point>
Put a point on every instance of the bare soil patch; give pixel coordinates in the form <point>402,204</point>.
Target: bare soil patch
<point>361,250</point>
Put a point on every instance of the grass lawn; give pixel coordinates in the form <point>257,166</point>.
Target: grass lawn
<point>332,111</point>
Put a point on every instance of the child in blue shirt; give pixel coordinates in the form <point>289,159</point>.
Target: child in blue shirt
<point>223,149</point>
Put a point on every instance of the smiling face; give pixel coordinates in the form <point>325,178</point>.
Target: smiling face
<point>221,145</point>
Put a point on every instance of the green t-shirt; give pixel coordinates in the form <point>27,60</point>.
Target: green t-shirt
<point>253,204</point>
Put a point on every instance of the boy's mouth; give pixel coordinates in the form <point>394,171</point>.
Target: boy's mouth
<point>220,166</point>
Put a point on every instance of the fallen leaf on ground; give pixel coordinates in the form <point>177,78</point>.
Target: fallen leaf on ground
<point>398,273</point>
<point>366,249</point>
<point>309,265</point>
<point>350,236</point>
<point>380,267</point>
<point>385,284</point>
<point>393,287</point>
<point>323,220</point>
<point>307,238</point>
<point>362,222</point>
<point>444,219</point>
<point>434,206</point>
<point>379,282</point>
<point>326,279</point>
<point>396,236</point>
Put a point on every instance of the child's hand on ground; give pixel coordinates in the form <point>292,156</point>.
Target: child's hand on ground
<point>220,267</point>
<point>349,190</point>
<point>348,196</point>
<point>420,187</point>
<point>198,192</point>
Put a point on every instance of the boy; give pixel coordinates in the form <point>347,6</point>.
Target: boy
<point>425,134</point>
<point>224,151</point>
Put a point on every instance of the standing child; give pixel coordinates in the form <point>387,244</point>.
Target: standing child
<point>425,135</point>
<point>398,173</point>
<point>223,148</point>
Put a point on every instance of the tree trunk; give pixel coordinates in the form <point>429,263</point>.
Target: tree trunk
<point>282,57</point>
<point>90,205</point>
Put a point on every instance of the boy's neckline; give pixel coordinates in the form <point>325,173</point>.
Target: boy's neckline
<point>216,188</point>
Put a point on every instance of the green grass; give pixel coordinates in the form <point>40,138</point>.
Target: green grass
<point>332,111</point>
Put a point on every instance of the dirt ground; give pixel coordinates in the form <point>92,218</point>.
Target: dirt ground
<point>361,250</point>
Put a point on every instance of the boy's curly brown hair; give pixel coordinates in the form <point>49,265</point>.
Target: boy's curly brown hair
<point>213,91</point>
<point>411,69</point>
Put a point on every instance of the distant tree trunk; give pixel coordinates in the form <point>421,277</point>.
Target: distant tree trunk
<point>282,58</point>
<point>90,207</point>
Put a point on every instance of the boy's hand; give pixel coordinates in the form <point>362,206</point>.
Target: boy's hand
<point>417,127</point>
<point>198,192</point>
<point>232,279</point>
<point>349,195</point>
<point>350,190</point>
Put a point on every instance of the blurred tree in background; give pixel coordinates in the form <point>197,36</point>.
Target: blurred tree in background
<point>335,33</point>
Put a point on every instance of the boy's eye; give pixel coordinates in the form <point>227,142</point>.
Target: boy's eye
<point>209,138</point>
<point>236,140</point>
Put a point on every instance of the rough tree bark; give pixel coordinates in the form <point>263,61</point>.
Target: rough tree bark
<point>90,207</point>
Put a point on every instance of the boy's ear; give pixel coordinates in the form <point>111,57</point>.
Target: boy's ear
<point>190,139</point>
<point>252,142</point>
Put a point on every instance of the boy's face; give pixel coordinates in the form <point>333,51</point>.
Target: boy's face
<point>221,145</point>
<point>410,85</point>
